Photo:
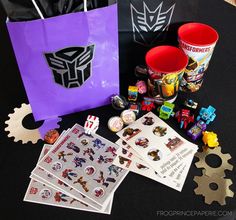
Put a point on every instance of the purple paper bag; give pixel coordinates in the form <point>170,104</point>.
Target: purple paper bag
<point>68,63</point>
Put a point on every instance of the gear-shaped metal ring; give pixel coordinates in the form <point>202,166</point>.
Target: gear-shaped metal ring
<point>211,195</point>
<point>20,133</point>
<point>211,170</point>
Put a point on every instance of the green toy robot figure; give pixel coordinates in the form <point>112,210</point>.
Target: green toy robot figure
<point>166,110</point>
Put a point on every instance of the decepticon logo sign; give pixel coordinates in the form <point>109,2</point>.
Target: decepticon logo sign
<point>149,24</point>
<point>71,66</point>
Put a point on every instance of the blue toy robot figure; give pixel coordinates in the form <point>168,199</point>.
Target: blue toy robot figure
<point>207,114</point>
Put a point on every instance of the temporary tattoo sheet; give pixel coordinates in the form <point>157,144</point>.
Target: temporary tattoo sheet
<point>131,163</point>
<point>165,167</point>
<point>127,160</point>
<point>128,151</point>
<point>42,176</point>
<point>154,140</point>
<point>84,163</point>
<point>39,193</point>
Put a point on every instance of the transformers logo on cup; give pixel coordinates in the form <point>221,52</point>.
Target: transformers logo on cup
<point>148,24</point>
<point>71,66</point>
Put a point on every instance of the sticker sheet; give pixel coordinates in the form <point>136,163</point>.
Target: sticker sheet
<point>154,140</point>
<point>127,159</point>
<point>38,188</point>
<point>40,193</point>
<point>84,163</point>
<point>41,175</point>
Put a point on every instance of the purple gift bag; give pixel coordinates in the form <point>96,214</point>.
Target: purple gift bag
<point>68,63</point>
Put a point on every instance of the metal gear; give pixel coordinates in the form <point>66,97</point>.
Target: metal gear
<point>220,171</point>
<point>211,195</point>
<point>19,132</point>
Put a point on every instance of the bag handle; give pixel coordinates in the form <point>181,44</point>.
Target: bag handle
<point>85,6</point>
<point>37,9</point>
<point>41,15</point>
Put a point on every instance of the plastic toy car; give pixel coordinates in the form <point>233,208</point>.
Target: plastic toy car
<point>166,110</point>
<point>196,130</point>
<point>190,104</point>
<point>184,117</point>
<point>207,114</point>
<point>210,139</point>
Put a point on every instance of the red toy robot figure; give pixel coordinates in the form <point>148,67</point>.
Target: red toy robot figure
<point>184,117</point>
<point>147,104</point>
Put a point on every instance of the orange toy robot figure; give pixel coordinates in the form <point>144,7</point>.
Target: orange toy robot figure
<point>51,136</point>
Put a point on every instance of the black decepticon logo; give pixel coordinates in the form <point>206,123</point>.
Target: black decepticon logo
<point>149,24</point>
<point>71,66</point>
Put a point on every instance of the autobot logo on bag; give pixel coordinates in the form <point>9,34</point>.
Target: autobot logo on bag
<point>71,66</point>
<point>149,24</point>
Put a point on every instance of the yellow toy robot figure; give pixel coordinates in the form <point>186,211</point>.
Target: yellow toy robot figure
<point>210,139</point>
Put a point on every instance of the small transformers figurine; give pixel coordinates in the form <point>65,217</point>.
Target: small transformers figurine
<point>210,139</point>
<point>91,124</point>
<point>133,93</point>
<point>207,114</point>
<point>142,87</point>
<point>51,136</point>
<point>135,107</point>
<point>196,130</point>
<point>184,117</point>
<point>147,105</point>
<point>166,110</point>
<point>190,104</point>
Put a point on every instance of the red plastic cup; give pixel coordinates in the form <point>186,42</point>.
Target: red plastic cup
<point>166,65</point>
<point>198,41</point>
